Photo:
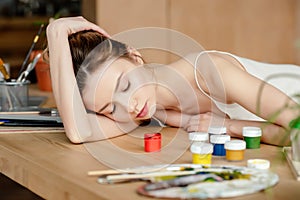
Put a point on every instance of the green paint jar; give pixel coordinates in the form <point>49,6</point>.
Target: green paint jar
<point>252,136</point>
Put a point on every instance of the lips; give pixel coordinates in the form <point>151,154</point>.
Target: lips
<point>143,112</point>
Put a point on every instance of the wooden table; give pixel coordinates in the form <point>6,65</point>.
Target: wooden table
<point>49,165</point>
<point>52,167</point>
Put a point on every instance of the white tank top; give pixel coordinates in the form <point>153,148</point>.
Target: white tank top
<point>285,77</point>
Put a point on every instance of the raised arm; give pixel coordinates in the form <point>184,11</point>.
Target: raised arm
<point>79,125</point>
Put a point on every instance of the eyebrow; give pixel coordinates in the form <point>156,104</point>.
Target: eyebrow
<point>117,86</point>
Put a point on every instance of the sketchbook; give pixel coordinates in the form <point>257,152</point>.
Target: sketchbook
<point>294,165</point>
<point>43,117</point>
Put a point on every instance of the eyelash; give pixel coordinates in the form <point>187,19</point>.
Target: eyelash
<point>127,87</point>
<point>124,90</point>
<point>113,109</point>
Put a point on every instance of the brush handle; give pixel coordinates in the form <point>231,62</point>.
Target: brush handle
<point>3,71</point>
<point>35,40</point>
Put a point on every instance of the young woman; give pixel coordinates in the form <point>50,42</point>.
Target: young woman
<point>103,88</point>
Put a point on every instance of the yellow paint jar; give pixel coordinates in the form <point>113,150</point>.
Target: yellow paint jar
<point>235,150</point>
<point>202,153</point>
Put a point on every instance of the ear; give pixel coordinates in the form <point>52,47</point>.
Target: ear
<point>135,55</point>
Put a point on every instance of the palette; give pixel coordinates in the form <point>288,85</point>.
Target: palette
<point>211,182</point>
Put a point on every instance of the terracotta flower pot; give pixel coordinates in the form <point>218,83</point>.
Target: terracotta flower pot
<point>42,70</point>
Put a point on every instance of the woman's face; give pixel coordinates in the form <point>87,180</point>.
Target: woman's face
<point>121,91</point>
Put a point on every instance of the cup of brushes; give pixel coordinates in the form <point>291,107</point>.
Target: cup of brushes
<point>13,92</point>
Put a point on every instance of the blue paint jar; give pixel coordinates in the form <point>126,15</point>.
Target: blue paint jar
<point>218,142</point>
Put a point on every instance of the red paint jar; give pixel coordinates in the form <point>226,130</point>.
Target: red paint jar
<point>152,142</point>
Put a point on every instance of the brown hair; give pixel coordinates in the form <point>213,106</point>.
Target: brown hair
<point>90,49</point>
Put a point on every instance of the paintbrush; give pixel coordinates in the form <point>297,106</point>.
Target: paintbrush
<point>117,177</point>
<point>138,170</point>
<point>35,40</point>
<point>183,181</point>
<point>3,71</point>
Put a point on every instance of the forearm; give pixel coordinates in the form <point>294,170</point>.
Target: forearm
<point>104,128</point>
<point>65,89</point>
<point>272,133</point>
<point>78,125</point>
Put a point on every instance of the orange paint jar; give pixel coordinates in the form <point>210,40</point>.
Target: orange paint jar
<point>235,150</point>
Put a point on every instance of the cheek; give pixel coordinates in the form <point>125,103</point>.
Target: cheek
<point>121,115</point>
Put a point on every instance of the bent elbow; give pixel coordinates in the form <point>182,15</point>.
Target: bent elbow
<point>76,140</point>
<point>75,137</point>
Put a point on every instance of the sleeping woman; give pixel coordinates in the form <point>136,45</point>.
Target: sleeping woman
<point>103,88</point>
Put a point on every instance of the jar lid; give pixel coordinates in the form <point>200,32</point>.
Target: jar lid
<point>198,136</point>
<point>235,145</point>
<point>201,148</point>
<point>252,131</point>
<point>152,136</point>
<point>258,163</point>
<point>217,130</point>
<point>219,139</point>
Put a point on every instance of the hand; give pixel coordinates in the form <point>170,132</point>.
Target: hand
<point>202,122</point>
<point>72,25</point>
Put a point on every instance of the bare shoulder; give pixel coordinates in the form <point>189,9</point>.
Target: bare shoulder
<point>224,60</point>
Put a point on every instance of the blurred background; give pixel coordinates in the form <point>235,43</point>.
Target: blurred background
<point>265,30</point>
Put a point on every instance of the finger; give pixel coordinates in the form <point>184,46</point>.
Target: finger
<point>192,128</point>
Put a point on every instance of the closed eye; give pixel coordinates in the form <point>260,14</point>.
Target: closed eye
<point>126,87</point>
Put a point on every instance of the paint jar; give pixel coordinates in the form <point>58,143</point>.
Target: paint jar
<point>252,137</point>
<point>261,164</point>
<point>235,150</point>
<point>198,137</point>
<point>218,142</point>
<point>295,139</point>
<point>152,142</point>
<point>202,153</point>
<point>217,130</point>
